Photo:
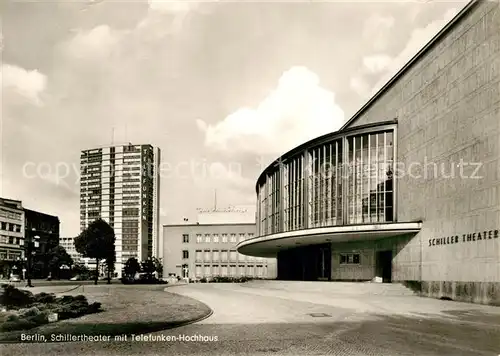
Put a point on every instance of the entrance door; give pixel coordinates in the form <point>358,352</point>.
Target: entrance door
<point>185,271</point>
<point>324,263</point>
<point>384,266</point>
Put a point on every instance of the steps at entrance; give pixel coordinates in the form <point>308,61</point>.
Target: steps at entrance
<point>348,288</point>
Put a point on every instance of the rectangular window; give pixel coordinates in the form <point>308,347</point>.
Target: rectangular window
<point>198,271</point>
<point>207,271</point>
<point>185,254</point>
<point>349,259</point>
<point>224,271</point>
<point>199,239</point>
<point>241,269</point>
<point>185,238</point>
<point>198,255</point>
<point>215,257</point>
<point>242,237</point>
<point>224,238</point>
<point>207,256</point>
<point>224,256</point>
<point>232,256</point>
<point>216,238</point>
<point>207,238</point>
<point>233,238</point>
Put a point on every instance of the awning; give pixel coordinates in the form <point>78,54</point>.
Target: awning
<point>269,245</point>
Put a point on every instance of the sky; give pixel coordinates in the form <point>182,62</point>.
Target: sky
<point>223,88</point>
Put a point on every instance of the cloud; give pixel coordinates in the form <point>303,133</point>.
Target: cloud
<point>97,43</point>
<point>174,7</point>
<point>388,66</point>
<point>377,62</point>
<point>298,110</point>
<point>359,84</point>
<point>176,12</point>
<point>418,39</point>
<point>28,84</point>
<point>377,31</point>
<point>222,175</point>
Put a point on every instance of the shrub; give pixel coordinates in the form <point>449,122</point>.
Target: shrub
<point>39,319</point>
<point>94,308</point>
<point>12,297</point>
<point>12,317</point>
<point>203,280</point>
<point>26,313</point>
<point>20,324</point>
<point>65,299</point>
<point>44,298</point>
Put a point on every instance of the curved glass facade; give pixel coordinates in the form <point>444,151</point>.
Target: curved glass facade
<point>345,180</point>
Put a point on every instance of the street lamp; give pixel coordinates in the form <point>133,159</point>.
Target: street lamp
<point>30,243</point>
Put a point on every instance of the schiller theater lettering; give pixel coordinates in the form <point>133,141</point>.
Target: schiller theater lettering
<point>476,236</point>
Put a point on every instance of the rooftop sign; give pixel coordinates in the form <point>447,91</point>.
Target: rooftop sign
<point>230,209</point>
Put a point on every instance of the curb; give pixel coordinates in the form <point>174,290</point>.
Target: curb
<point>174,285</point>
<point>189,322</point>
<point>197,320</point>
<point>70,290</point>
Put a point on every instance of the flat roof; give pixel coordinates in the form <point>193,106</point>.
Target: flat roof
<point>40,213</point>
<point>228,224</point>
<point>119,144</point>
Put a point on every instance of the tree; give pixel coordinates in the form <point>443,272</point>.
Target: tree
<point>57,257</point>
<point>97,241</point>
<point>158,262</point>
<point>148,267</point>
<point>132,266</point>
<point>80,269</point>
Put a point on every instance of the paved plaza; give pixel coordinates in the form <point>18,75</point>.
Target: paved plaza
<point>301,318</point>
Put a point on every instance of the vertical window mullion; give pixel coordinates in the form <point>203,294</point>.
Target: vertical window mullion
<point>376,178</point>
<point>385,178</point>
<point>369,178</point>
<point>313,188</point>
<point>323,187</point>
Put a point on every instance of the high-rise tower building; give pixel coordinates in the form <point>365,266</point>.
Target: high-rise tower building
<point>120,184</point>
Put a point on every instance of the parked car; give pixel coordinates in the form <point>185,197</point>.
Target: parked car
<point>14,278</point>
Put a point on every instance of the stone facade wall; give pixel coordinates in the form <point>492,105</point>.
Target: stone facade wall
<point>448,110</point>
<point>173,246</point>
<point>366,270</point>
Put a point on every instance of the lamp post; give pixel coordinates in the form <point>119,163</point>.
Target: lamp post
<point>30,243</point>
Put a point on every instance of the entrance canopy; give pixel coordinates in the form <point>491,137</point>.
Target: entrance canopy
<point>269,246</point>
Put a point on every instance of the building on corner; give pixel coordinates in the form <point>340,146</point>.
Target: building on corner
<point>11,235</point>
<point>46,228</point>
<point>408,190</point>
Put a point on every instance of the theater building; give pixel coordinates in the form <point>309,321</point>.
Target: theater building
<point>408,190</point>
